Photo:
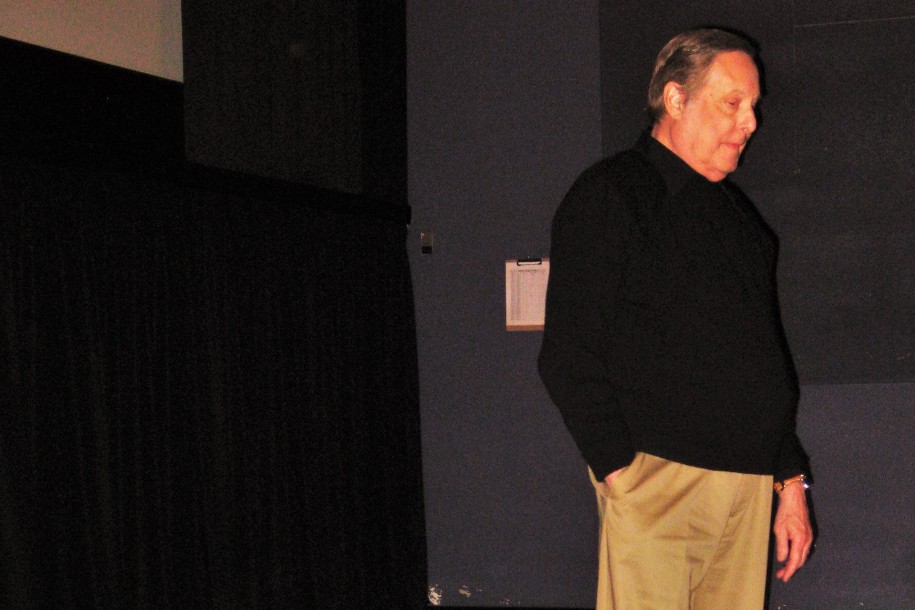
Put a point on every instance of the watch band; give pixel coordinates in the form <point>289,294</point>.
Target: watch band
<point>780,485</point>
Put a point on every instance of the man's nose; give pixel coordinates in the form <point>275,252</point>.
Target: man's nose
<point>748,122</point>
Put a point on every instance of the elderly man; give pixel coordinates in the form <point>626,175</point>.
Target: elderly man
<point>664,351</point>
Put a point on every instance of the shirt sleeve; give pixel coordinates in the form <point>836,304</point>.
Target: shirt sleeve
<point>792,459</point>
<point>587,257</point>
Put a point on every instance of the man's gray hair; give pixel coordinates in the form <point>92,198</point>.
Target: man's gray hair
<point>686,60</point>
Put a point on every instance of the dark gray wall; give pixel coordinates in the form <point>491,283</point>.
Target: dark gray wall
<point>504,110</point>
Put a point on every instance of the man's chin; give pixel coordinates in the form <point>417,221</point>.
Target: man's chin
<point>729,165</point>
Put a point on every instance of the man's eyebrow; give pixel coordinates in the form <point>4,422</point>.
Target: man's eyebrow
<point>742,93</point>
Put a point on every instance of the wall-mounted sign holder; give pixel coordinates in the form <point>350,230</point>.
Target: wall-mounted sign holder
<point>525,293</point>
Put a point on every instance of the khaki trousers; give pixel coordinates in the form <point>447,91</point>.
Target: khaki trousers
<point>675,537</point>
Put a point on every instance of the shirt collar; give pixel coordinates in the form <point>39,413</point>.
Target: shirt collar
<point>673,169</point>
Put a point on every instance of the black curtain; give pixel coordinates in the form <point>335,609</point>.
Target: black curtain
<point>209,399</point>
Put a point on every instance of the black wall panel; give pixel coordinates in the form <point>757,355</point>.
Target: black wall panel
<point>305,92</point>
<point>839,11</point>
<point>848,214</point>
<point>78,111</point>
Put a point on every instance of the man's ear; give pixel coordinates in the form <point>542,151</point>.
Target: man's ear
<point>674,99</point>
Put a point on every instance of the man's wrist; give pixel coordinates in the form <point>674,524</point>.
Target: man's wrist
<point>800,479</point>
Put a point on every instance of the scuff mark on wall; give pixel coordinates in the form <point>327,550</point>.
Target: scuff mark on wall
<point>436,596</point>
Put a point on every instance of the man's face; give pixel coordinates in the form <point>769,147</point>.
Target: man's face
<point>718,118</point>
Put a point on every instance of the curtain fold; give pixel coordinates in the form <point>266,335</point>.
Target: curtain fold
<point>209,401</point>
